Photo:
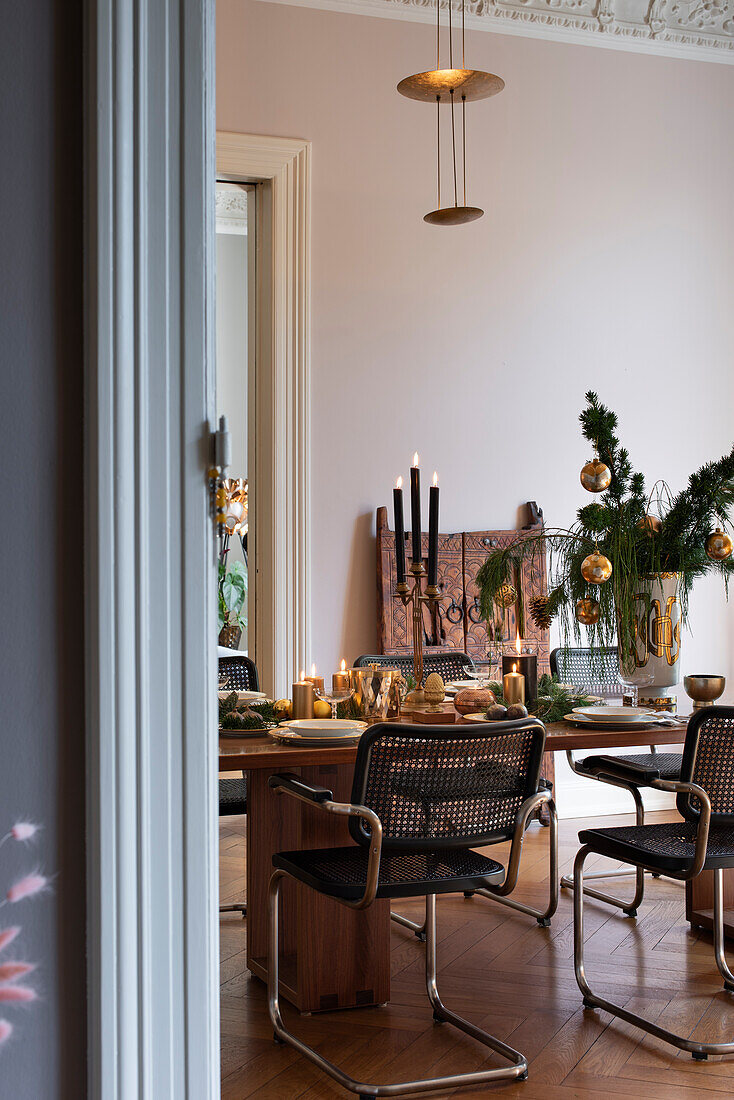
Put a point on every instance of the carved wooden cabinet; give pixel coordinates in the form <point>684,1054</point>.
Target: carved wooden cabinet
<point>455,621</point>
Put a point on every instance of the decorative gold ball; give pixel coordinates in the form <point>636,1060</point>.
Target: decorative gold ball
<point>221,517</point>
<point>718,545</point>
<point>433,689</point>
<point>596,569</point>
<point>587,612</point>
<point>213,472</point>
<point>596,476</point>
<point>505,596</point>
<point>649,524</point>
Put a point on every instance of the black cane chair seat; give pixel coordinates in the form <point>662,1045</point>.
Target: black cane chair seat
<point>666,847</point>
<point>232,796</point>
<point>666,763</point>
<point>450,664</point>
<point>342,872</point>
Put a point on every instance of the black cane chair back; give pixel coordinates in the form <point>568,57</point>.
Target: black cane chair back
<point>450,664</point>
<point>438,788</point>
<point>708,760</point>
<point>585,666</point>
<point>238,674</point>
<point>232,796</point>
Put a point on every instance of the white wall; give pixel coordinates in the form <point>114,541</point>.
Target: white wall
<point>605,259</point>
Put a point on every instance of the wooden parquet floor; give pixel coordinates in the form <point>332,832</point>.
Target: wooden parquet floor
<point>499,969</point>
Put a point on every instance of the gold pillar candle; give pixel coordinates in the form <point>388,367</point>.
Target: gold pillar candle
<point>317,681</point>
<point>513,686</point>
<point>303,699</point>
<point>340,680</point>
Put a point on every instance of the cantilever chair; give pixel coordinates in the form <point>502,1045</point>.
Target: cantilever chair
<point>702,841</point>
<point>599,673</point>
<point>451,664</point>
<point>236,674</point>
<point>471,786</point>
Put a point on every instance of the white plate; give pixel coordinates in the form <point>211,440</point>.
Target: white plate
<point>324,727</point>
<point>617,716</point>
<point>290,737</point>
<point>243,696</point>
<point>459,685</point>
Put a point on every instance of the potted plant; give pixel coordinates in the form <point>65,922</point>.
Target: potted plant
<point>232,603</point>
<point>624,570</point>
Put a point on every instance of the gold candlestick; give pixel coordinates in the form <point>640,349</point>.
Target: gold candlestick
<point>415,598</point>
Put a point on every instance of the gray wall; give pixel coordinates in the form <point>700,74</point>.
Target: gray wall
<point>41,516</point>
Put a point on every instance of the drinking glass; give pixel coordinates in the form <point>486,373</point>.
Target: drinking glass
<point>334,696</point>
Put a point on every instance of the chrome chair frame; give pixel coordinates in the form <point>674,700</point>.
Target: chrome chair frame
<point>499,893</point>
<point>629,908</point>
<point>517,1071</point>
<point>699,1050</point>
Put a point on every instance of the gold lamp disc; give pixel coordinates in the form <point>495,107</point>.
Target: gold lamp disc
<point>438,84</point>
<point>596,476</point>
<point>453,215</point>
<point>587,612</point>
<point>718,545</point>
<point>505,596</point>
<point>596,568</point>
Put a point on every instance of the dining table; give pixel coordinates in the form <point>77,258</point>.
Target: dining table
<point>334,957</point>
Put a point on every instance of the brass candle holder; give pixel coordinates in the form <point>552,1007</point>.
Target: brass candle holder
<point>414,597</point>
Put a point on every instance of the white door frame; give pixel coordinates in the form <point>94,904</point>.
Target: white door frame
<point>150,635</point>
<point>279,462</point>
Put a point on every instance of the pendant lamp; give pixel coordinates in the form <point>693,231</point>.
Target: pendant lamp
<point>449,87</point>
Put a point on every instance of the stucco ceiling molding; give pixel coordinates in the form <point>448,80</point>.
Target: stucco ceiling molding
<point>699,29</point>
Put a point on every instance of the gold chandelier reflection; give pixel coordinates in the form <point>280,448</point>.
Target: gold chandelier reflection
<point>447,86</point>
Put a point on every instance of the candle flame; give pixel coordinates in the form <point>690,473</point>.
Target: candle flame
<point>399,483</point>
<point>435,478</point>
<point>518,644</point>
<point>313,670</point>
<point>415,459</point>
<point>514,668</point>
<point>343,665</point>
<point>302,675</point>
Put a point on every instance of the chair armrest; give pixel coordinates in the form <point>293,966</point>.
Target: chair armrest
<point>322,799</point>
<point>704,820</point>
<point>293,784</point>
<point>617,768</point>
<point>523,815</point>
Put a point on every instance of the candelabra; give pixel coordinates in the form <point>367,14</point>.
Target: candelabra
<point>414,598</point>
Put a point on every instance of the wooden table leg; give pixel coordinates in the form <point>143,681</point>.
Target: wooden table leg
<point>700,901</point>
<point>331,956</point>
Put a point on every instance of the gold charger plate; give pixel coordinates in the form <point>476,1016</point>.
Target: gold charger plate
<point>290,737</point>
<point>628,727</point>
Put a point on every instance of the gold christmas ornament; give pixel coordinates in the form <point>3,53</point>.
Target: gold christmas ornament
<point>596,476</point>
<point>505,596</point>
<point>587,612</point>
<point>596,569</point>
<point>539,612</point>
<point>649,524</point>
<point>718,545</point>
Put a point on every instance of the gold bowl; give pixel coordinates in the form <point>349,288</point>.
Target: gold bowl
<point>704,690</point>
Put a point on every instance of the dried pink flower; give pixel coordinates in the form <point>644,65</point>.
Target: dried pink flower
<point>7,935</point>
<point>10,971</point>
<point>23,830</point>
<point>17,993</point>
<point>6,1030</point>
<point>26,887</point>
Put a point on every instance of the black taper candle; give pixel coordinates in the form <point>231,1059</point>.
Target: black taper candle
<point>397,500</point>
<point>433,533</point>
<point>415,511</point>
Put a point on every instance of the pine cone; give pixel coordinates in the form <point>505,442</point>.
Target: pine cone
<point>539,612</point>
